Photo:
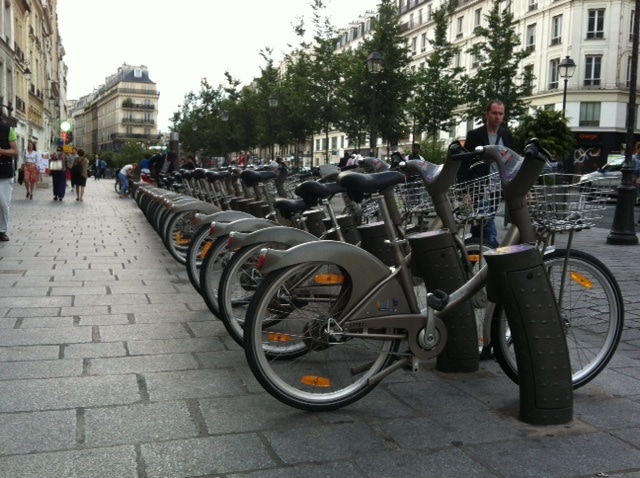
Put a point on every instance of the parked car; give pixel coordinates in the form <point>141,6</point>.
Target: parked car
<point>609,175</point>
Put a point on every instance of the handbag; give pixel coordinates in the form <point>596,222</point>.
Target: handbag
<point>21,175</point>
<point>55,165</point>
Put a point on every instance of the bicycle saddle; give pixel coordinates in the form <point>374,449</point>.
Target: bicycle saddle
<point>369,183</point>
<point>251,177</point>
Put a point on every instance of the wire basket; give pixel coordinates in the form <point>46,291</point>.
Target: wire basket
<point>477,199</point>
<point>557,203</point>
<point>412,198</point>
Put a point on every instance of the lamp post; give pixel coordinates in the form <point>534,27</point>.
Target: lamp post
<point>566,69</point>
<point>27,75</point>
<point>623,231</point>
<point>273,103</point>
<point>374,66</point>
<point>224,116</point>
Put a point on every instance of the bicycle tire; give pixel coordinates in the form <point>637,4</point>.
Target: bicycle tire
<point>238,283</point>
<point>178,234</point>
<point>592,311</point>
<point>298,353</point>
<point>198,247</point>
<point>118,185</point>
<point>211,271</point>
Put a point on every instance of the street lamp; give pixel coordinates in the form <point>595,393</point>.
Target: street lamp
<point>566,69</point>
<point>273,103</point>
<point>374,66</point>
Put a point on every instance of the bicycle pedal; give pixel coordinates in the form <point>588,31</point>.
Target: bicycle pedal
<point>437,300</point>
<point>413,365</point>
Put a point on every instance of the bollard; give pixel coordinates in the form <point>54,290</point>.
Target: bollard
<point>174,143</point>
<point>434,257</point>
<point>518,281</point>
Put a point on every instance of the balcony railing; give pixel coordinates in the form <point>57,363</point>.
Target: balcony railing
<point>137,121</point>
<point>138,106</point>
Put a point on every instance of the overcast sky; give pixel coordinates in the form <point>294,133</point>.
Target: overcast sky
<point>182,42</point>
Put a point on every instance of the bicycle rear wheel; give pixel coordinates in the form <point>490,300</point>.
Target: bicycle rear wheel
<point>211,270</point>
<point>591,309</point>
<point>238,283</point>
<point>297,348</point>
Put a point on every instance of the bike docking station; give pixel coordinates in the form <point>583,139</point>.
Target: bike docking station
<point>518,281</point>
<point>435,259</point>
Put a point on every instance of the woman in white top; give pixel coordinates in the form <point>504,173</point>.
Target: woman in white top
<point>31,168</point>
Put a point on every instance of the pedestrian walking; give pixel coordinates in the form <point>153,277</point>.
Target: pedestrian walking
<point>8,149</point>
<point>59,177</point>
<point>31,168</point>
<point>80,173</point>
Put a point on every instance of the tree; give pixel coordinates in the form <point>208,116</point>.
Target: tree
<point>394,83</point>
<point>550,127</point>
<point>499,60</point>
<point>438,90</point>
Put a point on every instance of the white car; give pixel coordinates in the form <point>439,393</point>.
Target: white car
<point>608,175</point>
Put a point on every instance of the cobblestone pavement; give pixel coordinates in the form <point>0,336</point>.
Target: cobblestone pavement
<point>112,366</point>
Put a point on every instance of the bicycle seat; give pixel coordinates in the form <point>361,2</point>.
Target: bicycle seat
<point>369,183</point>
<point>251,177</point>
<point>290,207</point>
<point>312,192</point>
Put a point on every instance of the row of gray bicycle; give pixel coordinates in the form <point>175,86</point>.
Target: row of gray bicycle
<point>330,284</point>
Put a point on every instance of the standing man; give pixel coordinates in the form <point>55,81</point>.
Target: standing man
<point>491,132</point>
<point>96,168</point>
<point>103,168</point>
<point>415,152</point>
<point>8,149</point>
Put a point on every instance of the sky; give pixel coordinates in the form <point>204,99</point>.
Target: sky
<point>182,42</point>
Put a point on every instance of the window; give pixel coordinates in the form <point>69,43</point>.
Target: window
<point>554,74</point>
<point>334,142</point>
<point>420,17</point>
<point>595,25</point>
<point>414,42</point>
<point>533,4</point>
<point>531,37</point>
<point>459,27</point>
<point>137,73</point>
<point>475,61</point>
<point>592,69</point>
<point>423,42</point>
<point>628,83</point>
<point>633,15</point>
<point>477,17</point>
<point>556,30</point>
<point>528,76</point>
<point>411,21</point>
<point>429,12</point>
<point>590,114</point>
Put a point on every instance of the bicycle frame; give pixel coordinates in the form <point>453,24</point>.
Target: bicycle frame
<point>367,307</point>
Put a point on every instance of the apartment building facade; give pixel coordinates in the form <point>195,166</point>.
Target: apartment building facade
<point>596,35</point>
<point>32,71</point>
<point>123,109</point>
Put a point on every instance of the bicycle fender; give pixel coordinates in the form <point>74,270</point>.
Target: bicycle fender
<point>221,216</point>
<point>360,264</point>
<point>201,206</point>
<point>288,236</point>
<point>248,224</point>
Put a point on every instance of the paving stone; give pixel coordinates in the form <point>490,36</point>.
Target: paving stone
<point>22,433</point>
<point>140,423</point>
<point>206,456</point>
<point>141,364</point>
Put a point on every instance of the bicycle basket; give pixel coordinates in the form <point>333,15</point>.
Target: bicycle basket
<point>476,199</point>
<point>557,203</point>
<point>413,198</point>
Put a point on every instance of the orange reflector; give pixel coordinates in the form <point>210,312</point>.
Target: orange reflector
<point>474,257</point>
<point>180,241</point>
<point>582,280</point>
<point>329,279</point>
<point>315,381</point>
<point>262,259</point>
<point>276,337</point>
<point>205,249</point>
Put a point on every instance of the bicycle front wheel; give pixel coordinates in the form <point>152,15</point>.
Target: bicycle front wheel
<point>591,310</point>
<point>211,270</point>
<point>300,351</point>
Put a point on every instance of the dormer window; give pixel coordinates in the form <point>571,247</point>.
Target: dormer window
<point>137,72</point>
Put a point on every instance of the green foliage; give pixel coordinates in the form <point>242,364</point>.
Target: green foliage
<point>499,58</point>
<point>550,127</point>
<point>132,152</point>
<point>438,85</point>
